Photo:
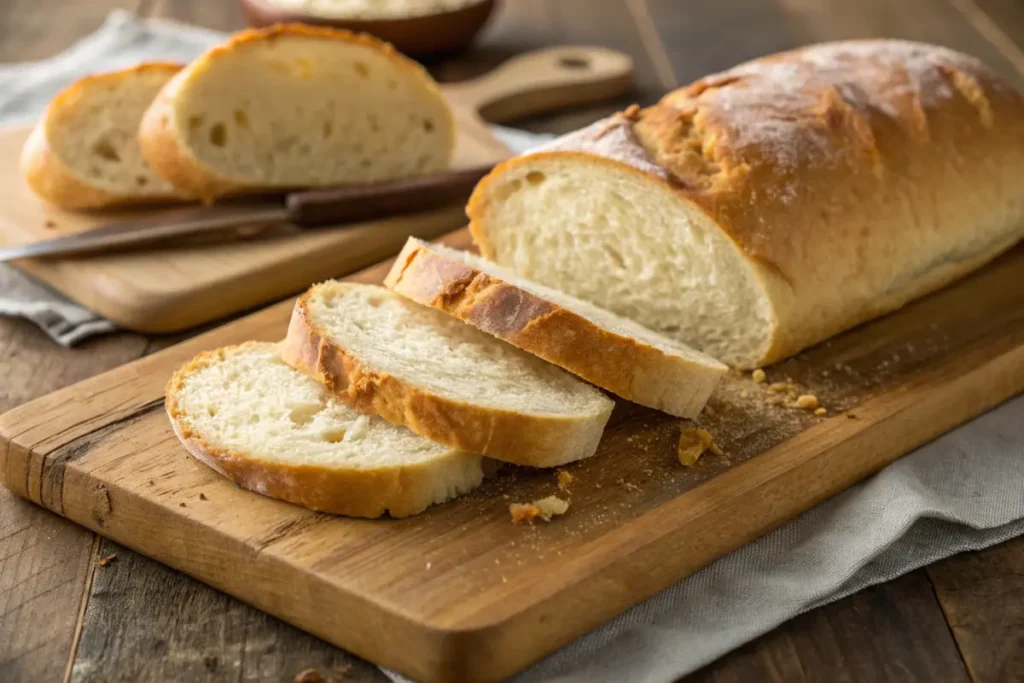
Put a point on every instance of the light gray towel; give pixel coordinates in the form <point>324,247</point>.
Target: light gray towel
<point>964,491</point>
<point>25,90</point>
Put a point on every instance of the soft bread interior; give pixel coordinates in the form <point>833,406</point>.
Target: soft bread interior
<point>301,111</point>
<point>625,241</point>
<point>429,349</point>
<point>94,134</point>
<point>247,400</point>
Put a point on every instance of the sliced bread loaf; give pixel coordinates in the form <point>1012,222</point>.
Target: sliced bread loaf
<point>418,367</point>
<point>84,153</point>
<point>245,413</point>
<point>297,106</point>
<point>612,352</point>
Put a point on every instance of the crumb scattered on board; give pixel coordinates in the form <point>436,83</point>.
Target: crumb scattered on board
<point>564,480</point>
<point>309,676</point>
<point>693,441</point>
<point>758,376</point>
<point>105,561</point>
<point>820,411</point>
<point>49,225</point>
<point>202,496</point>
<point>545,509</point>
<point>807,402</point>
<point>181,505</point>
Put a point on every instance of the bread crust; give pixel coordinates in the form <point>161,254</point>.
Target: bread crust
<point>51,179</point>
<point>523,439</point>
<point>839,170</point>
<point>625,366</point>
<point>158,137</point>
<point>398,490</point>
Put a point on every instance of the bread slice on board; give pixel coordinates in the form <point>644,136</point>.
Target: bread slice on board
<point>762,210</point>
<point>84,153</point>
<point>295,106</point>
<point>603,348</point>
<point>418,367</point>
<point>248,415</point>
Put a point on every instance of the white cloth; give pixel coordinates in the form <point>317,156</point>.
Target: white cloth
<point>964,491</point>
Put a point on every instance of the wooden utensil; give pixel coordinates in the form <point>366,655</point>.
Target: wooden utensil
<point>173,288</point>
<point>459,593</point>
<point>335,206</point>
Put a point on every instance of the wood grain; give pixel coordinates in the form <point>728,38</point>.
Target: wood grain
<point>469,595</point>
<point>892,632</point>
<point>982,595</point>
<point>146,623</point>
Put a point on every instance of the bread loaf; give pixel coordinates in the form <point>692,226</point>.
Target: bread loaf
<point>245,413</point>
<point>614,353</point>
<point>417,367</point>
<point>84,153</point>
<point>296,106</point>
<point>761,210</point>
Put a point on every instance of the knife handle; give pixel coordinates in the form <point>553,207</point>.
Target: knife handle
<point>353,203</point>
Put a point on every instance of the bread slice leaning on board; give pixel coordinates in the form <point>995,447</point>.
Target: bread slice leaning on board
<point>248,415</point>
<point>84,153</point>
<point>295,106</point>
<point>603,348</point>
<point>446,381</point>
<point>761,210</point>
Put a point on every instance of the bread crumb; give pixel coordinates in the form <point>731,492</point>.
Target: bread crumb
<point>758,376</point>
<point>807,402</point>
<point>428,565</point>
<point>202,496</point>
<point>49,224</point>
<point>564,479</point>
<point>105,561</point>
<point>545,509</point>
<point>780,387</point>
<point>309,676</point>
<point>851,416</point>
<point>181,505</point>
<point>820,411</point>
<point>744,394</point>
<point>693,441</point>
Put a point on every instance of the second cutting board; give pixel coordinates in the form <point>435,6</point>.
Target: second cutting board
<point>171,289</point>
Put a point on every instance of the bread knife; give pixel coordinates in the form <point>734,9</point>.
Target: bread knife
<point>306,209</point>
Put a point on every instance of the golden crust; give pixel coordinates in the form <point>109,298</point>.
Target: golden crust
<point>625,366</point>
<point>51,179</point>
<point>160,143</point>
<point>397,490</point>
<point>523,439</point>
<point>854,176</point>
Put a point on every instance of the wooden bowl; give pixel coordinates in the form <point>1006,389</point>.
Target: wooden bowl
<point>424,36</point>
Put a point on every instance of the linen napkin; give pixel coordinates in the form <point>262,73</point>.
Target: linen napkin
<point>964,491</point>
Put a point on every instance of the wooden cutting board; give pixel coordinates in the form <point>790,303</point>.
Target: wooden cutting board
<point>170,289</point>
<point>459,593</point>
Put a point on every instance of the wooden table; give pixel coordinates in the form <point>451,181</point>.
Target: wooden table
<point>68,614</point>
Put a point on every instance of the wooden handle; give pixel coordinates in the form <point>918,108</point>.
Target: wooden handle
<point>353,203</point>
<point>545,80</point>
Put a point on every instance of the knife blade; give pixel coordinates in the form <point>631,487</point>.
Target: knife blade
<point>306,209</point>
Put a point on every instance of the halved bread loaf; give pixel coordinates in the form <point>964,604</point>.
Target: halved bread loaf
<point>761,210</point>
<point>612,352</point>
<point>297,106</point>
<point>248,415</point>
<point>84,153</point>
<point>418,367</point>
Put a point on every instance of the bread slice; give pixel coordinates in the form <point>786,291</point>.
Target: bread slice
<point>761,210</point>
<point>245,413</point>
<point>84,153</point>
<point>416,366</point>
<point>610,351</point>
<point>297,106</point>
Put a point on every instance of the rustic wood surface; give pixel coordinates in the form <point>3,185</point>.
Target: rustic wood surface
<point>57,607</point>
